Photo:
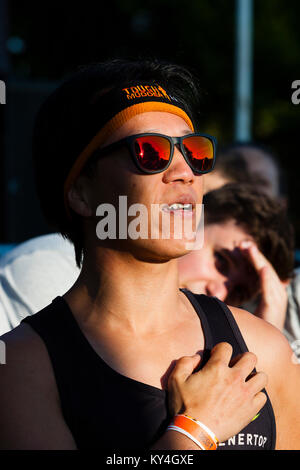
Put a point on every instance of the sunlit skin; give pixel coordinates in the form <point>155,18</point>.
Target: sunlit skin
<point>123,300</point>
<point>132,286</point>
<point>119,176</point>
<point>127,299</point>
<point>128,306</point>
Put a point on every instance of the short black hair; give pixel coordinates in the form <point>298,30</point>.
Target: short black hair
<point>261,216</point>
<point>58,136</point>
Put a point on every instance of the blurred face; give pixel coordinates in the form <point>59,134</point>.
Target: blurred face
<point>218,269</point>
<point>117,175</point>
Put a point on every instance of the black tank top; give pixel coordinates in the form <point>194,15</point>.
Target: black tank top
<point>107,410</point>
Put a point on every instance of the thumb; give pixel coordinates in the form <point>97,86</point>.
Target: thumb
<point>185,366</point>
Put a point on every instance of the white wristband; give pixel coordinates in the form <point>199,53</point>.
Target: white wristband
<point>171,427</point>
<point>209,432</point>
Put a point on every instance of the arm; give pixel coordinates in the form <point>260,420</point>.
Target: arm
<point>30,413</point>
<point>218,395</point>
<point>276,358</point>
<point>173,440</point>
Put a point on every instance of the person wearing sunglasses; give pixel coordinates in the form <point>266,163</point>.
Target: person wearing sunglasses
<point>125,359</point>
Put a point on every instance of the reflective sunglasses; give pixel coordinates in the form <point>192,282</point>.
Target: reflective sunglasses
<point>153,153</point>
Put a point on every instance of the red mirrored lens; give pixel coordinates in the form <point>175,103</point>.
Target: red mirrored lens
<point>200,152</point>
<point>152,152</point>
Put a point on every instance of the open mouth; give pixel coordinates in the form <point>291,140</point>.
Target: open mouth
<point>178,207</point>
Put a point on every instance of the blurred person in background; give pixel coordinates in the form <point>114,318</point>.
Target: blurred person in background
<point>253,163</point>
<point>32,274</point>
<point>247,258</point>
<point>248,163</point>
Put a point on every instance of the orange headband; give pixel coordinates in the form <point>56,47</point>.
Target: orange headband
<point>112,125</point>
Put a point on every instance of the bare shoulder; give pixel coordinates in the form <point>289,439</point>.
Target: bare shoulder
<point>262,338</point>
<point>29,401</point>
<point>275,357</point>
<point>26,356</point>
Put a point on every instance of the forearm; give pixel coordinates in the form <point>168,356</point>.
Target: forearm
<point>172,440</point>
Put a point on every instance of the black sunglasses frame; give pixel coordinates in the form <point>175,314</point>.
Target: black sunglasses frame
<point>129,143</point>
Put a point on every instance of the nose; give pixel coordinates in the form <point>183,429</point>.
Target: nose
<point>216,288</point>
<point>178,170</point>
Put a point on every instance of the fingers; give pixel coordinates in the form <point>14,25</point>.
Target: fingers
<point>245,364</point>
<point>265,277</point>
<point>259,401</point>
<point>270,281</point>
<point>221,353</point>
<point>258,259</point>
<point>257,382</point>
<point>263,267</point>
<point>184,367</point>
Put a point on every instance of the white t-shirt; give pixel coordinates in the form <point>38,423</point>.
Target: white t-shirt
<point>292,321</point>
<point>32,274</point>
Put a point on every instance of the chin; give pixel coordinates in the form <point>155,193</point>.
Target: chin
<point>160,250</point>
<point>196,289</point>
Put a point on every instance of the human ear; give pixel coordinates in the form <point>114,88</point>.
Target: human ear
<point>78,197</point>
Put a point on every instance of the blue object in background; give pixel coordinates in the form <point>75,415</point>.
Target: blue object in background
<point>297,257</point>
<point>5,248</point>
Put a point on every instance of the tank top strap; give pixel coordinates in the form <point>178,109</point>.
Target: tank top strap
<point>221,323</point>
<point>221,326</point>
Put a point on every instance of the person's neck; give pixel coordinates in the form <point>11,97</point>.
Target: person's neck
<point>117,288</point>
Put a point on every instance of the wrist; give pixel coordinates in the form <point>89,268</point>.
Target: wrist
<point>172,440</point>
<point>195,430</point>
